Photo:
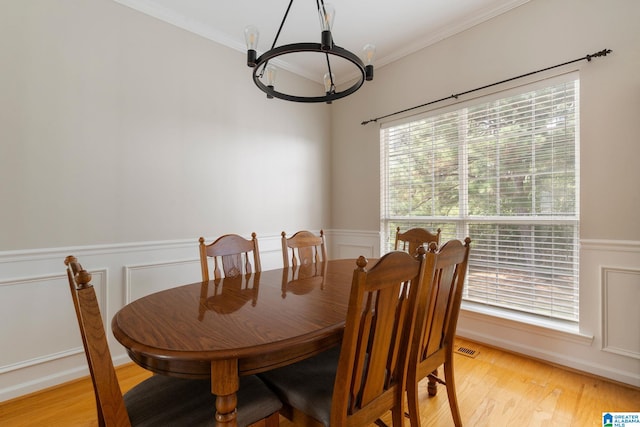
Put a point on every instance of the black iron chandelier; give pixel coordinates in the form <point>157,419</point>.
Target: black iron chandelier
<point>264,74</point>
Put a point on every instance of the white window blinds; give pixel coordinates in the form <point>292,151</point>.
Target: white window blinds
<point>505,172</point>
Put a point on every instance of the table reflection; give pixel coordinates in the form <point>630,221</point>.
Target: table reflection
<point>302,279</point>
<point>229,293</point>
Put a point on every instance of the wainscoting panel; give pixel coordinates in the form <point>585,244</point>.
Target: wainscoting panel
<point>352,244</point>
<point>620,308</point>
<point>38,320</point>
<point>145,279</point>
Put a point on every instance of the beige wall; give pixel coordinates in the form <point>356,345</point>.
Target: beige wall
<point>116,127</point>
<point>536,35</point>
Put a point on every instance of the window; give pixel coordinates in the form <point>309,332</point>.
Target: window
<point>503,170</point>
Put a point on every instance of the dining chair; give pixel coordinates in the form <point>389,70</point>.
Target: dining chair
<point>159,400</point>
<point>357,382</point>
<point>230,255</point>
<point>303,248</point>
<point>437,313</point>
<point>410,240</point>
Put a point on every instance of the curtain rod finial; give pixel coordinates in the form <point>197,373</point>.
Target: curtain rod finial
<point>603,52</point>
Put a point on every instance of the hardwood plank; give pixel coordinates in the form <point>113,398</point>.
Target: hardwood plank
<point>72,404</point>
<point>499,388</point>
<point>496,388</point>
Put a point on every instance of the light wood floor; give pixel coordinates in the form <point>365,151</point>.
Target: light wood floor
<point>495,389</point>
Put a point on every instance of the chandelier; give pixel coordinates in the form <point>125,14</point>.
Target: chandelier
<point>264,73</point>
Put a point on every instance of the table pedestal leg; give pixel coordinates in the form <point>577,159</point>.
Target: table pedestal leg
<point>224,384</point>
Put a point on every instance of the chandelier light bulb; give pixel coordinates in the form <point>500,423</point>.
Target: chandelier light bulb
<point>369,55</point>
<point>327,14</point>
<point>251,36</point>
<point>270,72</point>
<point>329,85</point>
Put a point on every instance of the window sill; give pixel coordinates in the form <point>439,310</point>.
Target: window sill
<point>565,330</point>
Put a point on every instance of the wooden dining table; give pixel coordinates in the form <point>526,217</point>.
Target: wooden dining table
<point>229,327</point>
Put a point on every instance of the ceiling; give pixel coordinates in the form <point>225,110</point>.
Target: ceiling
<point>397,28</point>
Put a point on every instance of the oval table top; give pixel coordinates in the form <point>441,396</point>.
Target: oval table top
<point>263,320</point>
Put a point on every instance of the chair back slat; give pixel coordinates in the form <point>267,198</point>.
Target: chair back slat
<point>109,401</point>
<point>361,351</point>
<point>383,352</point>
<point>446,271</point>
<point>233,265</point>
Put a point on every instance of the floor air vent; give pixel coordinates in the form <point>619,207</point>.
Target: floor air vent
<point>465,351</point>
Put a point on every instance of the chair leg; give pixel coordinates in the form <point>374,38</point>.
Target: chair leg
<point>397,417</point>
<point>413,407</point>
<point>451,392</point>
<point>272,420</point>
<point>433,385</point>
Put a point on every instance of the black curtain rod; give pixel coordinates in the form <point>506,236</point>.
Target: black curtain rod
<point>603,52</point>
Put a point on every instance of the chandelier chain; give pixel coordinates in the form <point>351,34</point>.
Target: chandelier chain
<point>275,40</point>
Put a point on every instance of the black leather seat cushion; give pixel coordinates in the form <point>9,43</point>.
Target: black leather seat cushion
<point>167,401</point>
<point>308,384</point>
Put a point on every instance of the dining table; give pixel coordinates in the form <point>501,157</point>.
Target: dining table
<point>229,327</point>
